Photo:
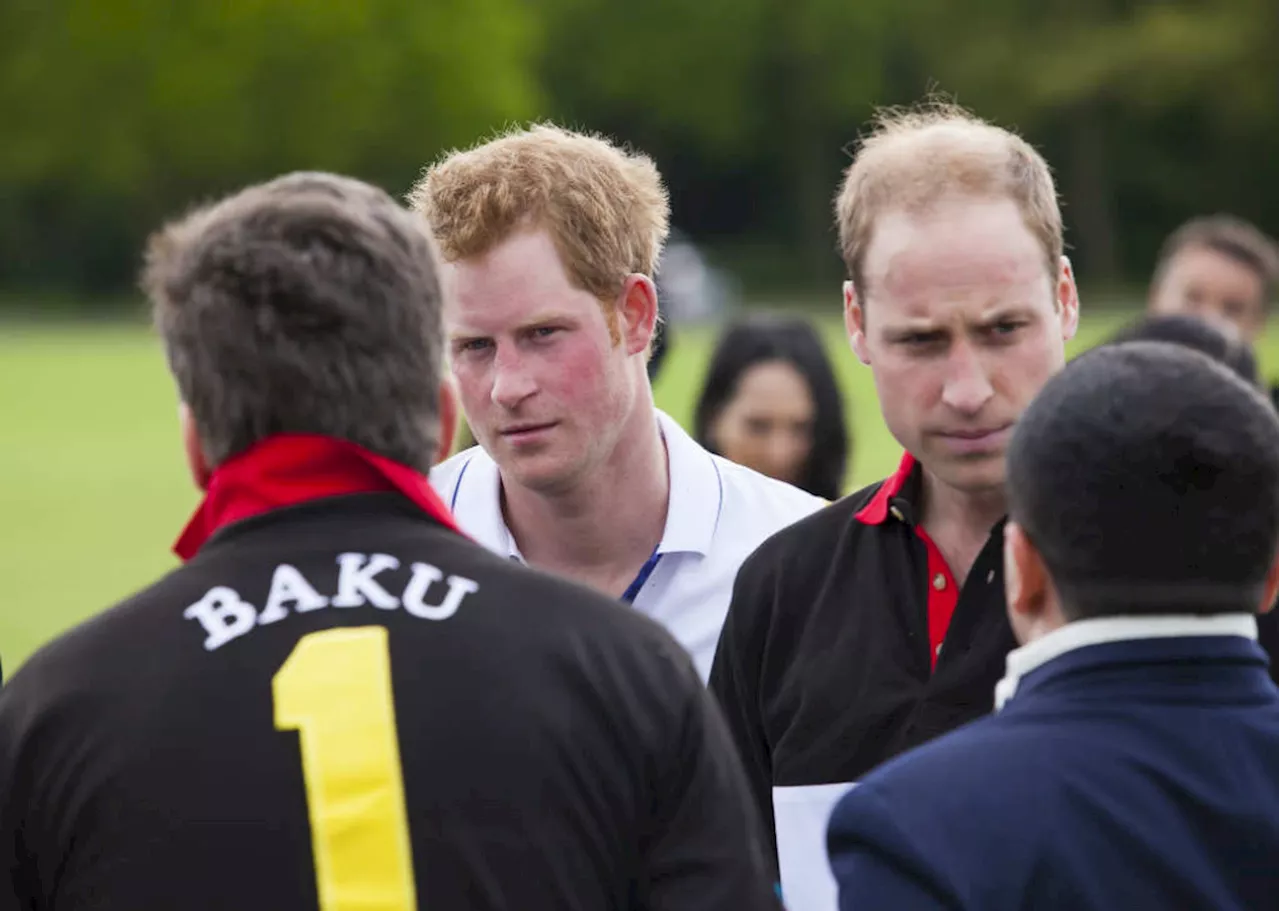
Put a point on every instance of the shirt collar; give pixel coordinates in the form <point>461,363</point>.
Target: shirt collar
<point>693,502</point>
<point>696,495</point>
<point>894,493</point>
<point>291,468</point>
<point>1101,630</point>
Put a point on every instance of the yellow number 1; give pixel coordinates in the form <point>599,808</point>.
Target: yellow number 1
<point>335,690</point>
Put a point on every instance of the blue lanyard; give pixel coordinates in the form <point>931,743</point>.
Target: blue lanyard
<point>629,596</point>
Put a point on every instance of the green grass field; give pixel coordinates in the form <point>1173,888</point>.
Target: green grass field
<point>94,490</point>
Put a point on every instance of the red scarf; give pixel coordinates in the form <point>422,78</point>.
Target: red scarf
<point>292,468</point>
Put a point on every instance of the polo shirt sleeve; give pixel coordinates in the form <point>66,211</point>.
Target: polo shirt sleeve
<point>735,683</point>
<point>704,848</point>
<point>875,862</point>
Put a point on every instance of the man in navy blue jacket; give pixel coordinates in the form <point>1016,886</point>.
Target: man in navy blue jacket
<point>1132,760</point>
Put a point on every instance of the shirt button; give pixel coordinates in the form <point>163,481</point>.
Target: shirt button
<point>939,582</point>
<point>991,575</point>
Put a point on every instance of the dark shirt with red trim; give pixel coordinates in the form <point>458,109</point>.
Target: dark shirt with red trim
<point>340,694</point>
<point>848,642</point>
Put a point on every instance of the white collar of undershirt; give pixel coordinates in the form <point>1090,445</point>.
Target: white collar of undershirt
<point>1100,630</point>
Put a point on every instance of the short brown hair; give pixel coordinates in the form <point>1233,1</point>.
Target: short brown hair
<point>1232,237</point>
<point>606,208</point>
<point>913,156</point>
<point>307,304</point>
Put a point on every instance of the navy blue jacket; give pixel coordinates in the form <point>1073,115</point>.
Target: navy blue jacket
<point>1128,774</point>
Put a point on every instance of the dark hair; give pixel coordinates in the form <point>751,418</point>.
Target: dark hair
<point>1232,237</point>
<point>1145,474</point>
<point>307,304</point>
<point>766,338</point>
<point>1198,334</point>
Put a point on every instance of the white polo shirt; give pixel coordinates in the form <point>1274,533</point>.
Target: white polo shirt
<point>717,514</point>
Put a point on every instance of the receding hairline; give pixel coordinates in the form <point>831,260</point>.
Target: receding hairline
<point>913,157</point>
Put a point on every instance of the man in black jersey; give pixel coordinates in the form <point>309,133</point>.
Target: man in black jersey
<point>339,702</point>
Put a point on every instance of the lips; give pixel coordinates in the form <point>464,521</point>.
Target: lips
<point>974,434</point>
<point>521,433</point>
<point>967,441</point>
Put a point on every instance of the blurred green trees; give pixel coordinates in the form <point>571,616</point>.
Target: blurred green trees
<point>117,113</point>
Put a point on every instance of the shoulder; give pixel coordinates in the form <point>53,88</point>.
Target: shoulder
<point>787,571</point>
<point>985,770</point>
<point>815,535</point>
<point>556,614</point>
<point>94,662</point>
<point>446,476</point>
<point>765,500</point>
<point>946,808</point>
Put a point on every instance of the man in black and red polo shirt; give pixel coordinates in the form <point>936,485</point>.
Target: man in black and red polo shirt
<point>340,702</point>
<point>878,623</point>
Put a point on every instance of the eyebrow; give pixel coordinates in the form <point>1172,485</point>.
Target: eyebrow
<point>538,319</point>
<point>991,315</point>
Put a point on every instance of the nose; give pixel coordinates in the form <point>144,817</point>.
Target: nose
<point>967,387</point>
<point>512,381</point>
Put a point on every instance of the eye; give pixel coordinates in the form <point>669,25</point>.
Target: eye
<point>921,339</point>
<point>757,426</point>
<point>472,345</point>
<point>542,332</point>
<point>1007,327</point>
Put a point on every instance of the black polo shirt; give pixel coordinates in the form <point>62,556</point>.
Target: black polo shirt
<point>345,694</point>
<point>848,641</point>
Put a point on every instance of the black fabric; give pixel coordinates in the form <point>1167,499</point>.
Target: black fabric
<point>823,666</point>
<point>558,750</point>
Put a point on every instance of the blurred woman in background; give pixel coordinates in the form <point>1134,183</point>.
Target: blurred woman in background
<point>771,403</point>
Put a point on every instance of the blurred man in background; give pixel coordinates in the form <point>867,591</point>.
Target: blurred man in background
<point>339,702</point>
<point>1133,760</point>
<point>878,623</point>
<point>1221,269</point>
<point>552,238</point>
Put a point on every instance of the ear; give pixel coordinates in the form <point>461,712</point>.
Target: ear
<point>1026,583</point>
<point>1269,593</point>
<point>855,323</point>
<point>638,310</point>
<point>197,464</point>
<point>1068,300</point>
<point>448,419</point>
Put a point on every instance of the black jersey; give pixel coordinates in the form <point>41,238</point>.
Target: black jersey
<point>343,705</point>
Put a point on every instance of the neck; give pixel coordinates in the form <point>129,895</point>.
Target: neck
<point>603,528</point>
<point>960,521</point>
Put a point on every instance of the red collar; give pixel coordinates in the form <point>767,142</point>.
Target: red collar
<point>877,509</point>
<point>292,468</point>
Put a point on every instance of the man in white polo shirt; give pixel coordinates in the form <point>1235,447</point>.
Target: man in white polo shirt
<point>552,238</point>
